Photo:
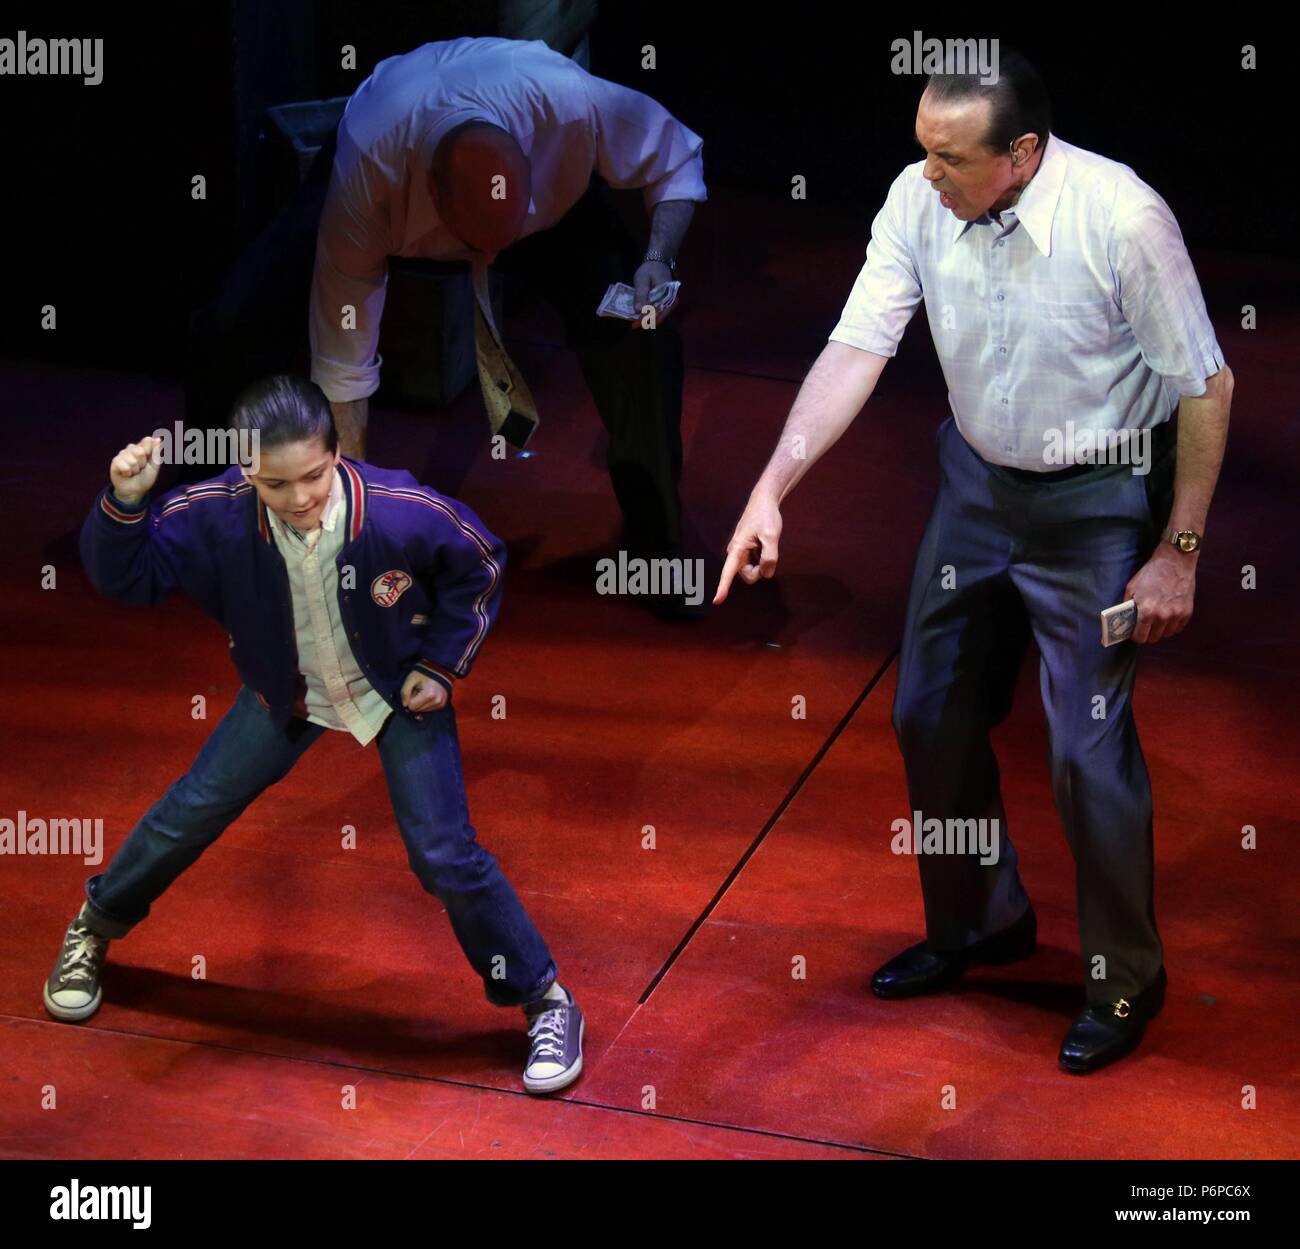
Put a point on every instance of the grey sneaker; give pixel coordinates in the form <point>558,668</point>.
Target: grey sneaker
<point>72,991</point>
<point>556,1029</point>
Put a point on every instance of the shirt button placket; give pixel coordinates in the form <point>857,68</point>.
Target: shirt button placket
<point>997,271</point>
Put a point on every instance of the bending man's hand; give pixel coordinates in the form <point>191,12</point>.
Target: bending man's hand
<point>752,551</point>
<point>650,275</point>
<point>1163,589</point>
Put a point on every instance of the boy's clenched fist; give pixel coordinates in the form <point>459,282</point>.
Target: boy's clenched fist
<point>134,470</point>
<point>421,693</point>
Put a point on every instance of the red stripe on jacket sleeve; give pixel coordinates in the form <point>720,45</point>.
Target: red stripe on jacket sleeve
<point>119,514</point>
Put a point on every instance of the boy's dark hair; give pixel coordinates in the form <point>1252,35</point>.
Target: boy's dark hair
<point>1018,99</point>
<point>285,409</point>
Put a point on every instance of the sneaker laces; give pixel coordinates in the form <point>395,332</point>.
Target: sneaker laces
<point>81,951</point>
<point>547,1032</point>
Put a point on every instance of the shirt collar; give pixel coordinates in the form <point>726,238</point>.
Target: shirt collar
<point>1036,207</point>
<point>333,506</point>
<point>446,120</point>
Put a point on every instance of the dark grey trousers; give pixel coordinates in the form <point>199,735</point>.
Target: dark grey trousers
<point>1004,558</point>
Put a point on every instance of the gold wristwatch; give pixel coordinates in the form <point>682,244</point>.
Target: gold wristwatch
<point>1184,539</point>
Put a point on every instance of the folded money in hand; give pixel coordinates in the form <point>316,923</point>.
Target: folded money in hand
<point>1118,623</point>
<point>618,300</point>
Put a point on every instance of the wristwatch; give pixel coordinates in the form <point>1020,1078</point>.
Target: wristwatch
<point>1184,539</point>
<point>659,258</point>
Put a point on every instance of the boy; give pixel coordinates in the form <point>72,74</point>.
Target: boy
<point>354,598</point>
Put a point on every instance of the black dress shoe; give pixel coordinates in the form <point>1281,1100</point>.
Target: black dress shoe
<point>668,605</point>
<point>676,607</point>
<point>923,970</point>
<point>1104,1033</point>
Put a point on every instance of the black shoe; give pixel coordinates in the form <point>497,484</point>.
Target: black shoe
<point>923,970</point>
<point>669,605</point>
<point>676,607</point>
<point>1107,1032</point>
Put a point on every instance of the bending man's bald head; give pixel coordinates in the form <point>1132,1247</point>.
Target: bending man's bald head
<point>481,184</point>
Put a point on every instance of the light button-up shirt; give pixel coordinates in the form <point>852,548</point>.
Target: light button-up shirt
<point>567,122</point>
<point>338,694</point>
<point>1081,305</point>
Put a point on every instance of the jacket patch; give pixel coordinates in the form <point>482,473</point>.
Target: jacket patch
<point>388,587</point>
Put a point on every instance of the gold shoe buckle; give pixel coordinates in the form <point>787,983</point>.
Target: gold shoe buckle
<point>1123,1008</point>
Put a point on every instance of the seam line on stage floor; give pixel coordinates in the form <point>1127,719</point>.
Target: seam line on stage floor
<point>470,1084</point>
<point>769,825</point>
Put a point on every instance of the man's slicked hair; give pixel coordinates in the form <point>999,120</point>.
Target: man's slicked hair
<point>1018,99</point>
<point>285,409</point>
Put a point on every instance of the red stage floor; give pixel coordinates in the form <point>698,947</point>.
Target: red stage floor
<point>329,968</point>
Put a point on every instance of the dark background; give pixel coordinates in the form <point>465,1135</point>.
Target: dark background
<point>98,219</point>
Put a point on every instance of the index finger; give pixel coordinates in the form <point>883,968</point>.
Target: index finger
<point>729,569</point>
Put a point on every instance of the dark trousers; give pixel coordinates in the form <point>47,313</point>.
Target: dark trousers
<point>1003,559</point>
<point>634,375</point>
<point>256,324</point>
<point>247,753</point>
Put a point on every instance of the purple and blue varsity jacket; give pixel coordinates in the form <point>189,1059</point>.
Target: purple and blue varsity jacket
<point>424,589</point>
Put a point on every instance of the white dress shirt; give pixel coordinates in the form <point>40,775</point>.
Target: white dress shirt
<point>566,121</point>
<point>1082,305</point>
<point>338,694</point>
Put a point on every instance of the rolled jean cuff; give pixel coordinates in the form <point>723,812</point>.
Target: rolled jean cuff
<point>100,923</point>
<point>499,997</point>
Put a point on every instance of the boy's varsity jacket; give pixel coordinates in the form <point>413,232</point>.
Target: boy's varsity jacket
<point>419,576</point>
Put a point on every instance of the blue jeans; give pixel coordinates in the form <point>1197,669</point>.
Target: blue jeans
<point>247,753</point>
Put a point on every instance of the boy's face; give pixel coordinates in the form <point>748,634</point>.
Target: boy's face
<point>294,481</point>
